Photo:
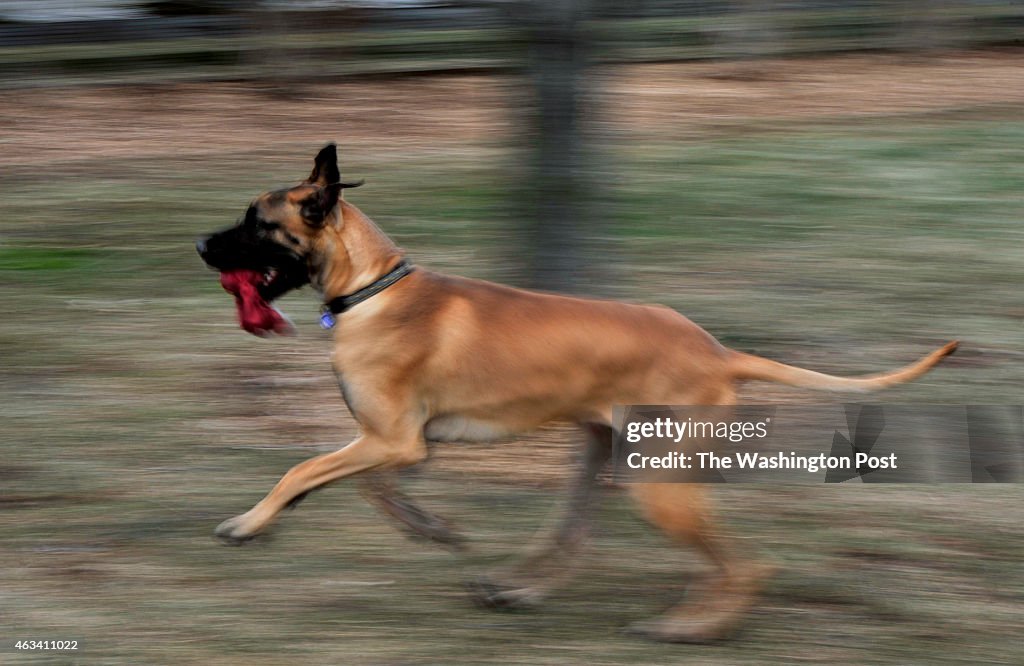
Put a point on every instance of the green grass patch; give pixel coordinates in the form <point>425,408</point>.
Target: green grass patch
<point>47,259</point>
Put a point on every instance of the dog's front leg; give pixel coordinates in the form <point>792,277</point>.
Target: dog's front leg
<point>371,451</point>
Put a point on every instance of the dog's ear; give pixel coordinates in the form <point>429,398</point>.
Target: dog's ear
<point>325,167</point>
<point>325,170</point>
<point>317,206</point>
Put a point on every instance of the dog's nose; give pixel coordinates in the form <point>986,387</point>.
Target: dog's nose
<point>201,245</point>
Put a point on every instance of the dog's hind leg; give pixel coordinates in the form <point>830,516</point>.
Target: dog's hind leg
<point>528,581</point>
<point>682,511</point>
<point>381,490</point>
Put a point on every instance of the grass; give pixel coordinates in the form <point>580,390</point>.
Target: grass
<point>137,416</point>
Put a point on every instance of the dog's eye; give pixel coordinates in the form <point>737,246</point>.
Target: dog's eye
<point>313,212</point>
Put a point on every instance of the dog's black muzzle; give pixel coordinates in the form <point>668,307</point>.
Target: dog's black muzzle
<point>237,249</point>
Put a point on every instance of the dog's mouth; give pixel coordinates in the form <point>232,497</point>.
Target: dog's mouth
<point>281,277</point>
<point>273,282</point>
<point>255,313</point>
<point>280,268</point>
<point>270,277</point>
<point>256,275</point>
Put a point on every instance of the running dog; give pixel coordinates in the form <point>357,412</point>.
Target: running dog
<point>422,356</point>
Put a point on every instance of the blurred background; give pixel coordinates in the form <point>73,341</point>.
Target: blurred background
<point>832,184</point>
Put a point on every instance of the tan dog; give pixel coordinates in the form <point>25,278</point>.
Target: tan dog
<point>442,358</point>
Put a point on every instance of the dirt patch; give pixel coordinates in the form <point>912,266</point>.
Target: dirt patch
<point>197,120</point>
<point>665,96</point>
<point>46,126</point>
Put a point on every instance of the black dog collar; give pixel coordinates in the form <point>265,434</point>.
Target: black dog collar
<point>342,303</point>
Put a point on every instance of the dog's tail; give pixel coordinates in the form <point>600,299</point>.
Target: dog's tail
<point>750,367</point>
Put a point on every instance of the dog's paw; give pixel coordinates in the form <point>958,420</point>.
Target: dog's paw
<point>487,594</point>
<point>232,532</point>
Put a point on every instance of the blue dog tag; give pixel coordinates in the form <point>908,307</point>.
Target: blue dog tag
<point>326,321</point>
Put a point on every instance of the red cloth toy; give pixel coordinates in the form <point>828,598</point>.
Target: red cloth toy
<point>254,314</point>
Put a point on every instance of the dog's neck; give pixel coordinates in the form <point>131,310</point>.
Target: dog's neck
<point>353,253</point>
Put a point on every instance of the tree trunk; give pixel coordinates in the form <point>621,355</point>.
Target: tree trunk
<point>557,187</point>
